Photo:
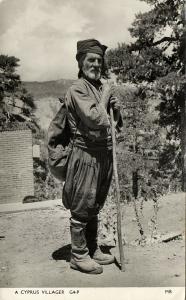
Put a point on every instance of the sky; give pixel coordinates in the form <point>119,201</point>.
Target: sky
<point>43,34</point>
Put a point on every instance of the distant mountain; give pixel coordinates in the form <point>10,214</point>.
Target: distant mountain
<point>46,96</point>
<point>54,88</point>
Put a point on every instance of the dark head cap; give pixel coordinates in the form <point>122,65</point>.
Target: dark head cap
<point>90,45</point>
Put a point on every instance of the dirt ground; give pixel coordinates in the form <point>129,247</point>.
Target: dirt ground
<point>35,250</point>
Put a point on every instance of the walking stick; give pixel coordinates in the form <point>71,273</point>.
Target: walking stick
<point>117,192</point>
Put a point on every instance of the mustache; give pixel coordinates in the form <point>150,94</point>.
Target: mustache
<point>96,69</point>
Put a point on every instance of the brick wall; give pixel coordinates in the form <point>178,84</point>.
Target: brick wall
<point>16,166</point>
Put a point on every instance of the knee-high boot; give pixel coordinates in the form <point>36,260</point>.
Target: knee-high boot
<point>80,259</point>
<point>92,243</point>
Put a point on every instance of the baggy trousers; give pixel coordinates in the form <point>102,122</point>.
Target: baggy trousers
<point>87,182</point>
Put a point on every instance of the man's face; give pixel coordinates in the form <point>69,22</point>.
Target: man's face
<point>92,65</point>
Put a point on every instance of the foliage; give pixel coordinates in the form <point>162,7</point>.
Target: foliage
<point>154,63</point>
<point>16,104</point>
<point>150,74</point>
<point>156,56</point>
<point>140,142</point>
<point>17,109</point>
<point>45,185</point>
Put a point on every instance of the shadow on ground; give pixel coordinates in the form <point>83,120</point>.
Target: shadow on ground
<point>64,253</point>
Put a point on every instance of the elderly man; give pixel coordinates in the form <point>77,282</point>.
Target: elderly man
<point>90,165</point>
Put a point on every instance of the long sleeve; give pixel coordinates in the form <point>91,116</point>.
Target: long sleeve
<point>91,112</point>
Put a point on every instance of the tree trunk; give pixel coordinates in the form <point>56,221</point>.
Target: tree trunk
<point>183,119</point>
<point>183,143</point>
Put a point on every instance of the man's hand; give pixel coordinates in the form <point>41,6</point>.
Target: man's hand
<point>109,96</point>
<point>115,103</point>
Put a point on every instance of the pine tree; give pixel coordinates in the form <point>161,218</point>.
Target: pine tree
<point>16,104</point>
<point>156,58</point>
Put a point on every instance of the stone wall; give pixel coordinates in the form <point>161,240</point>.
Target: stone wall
<point>16,166</point>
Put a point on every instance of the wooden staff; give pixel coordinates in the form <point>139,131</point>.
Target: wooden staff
<point>117,192</point>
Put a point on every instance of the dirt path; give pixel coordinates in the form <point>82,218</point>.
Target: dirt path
<point>35,250</point>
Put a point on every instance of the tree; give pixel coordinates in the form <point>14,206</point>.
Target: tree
<point>156,57</point>
<point>16,104</point>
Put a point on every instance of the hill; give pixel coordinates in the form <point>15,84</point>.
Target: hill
<point>46,96</point>
<point>54,88</point>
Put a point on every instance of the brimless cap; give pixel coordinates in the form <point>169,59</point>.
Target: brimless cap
<point>90,45</point>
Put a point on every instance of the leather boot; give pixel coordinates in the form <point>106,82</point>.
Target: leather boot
<point>80,259</point>
<point>92,243</point>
